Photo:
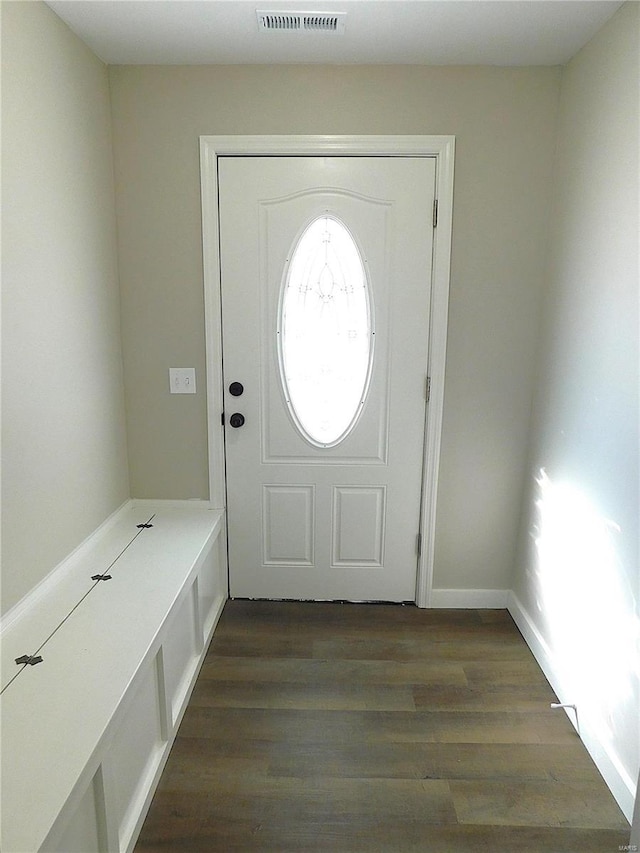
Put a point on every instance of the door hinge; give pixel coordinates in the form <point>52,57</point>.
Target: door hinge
<point>435,213</point>
<point>427,391</point>
<point>419,544</point>
<point>222,419</point>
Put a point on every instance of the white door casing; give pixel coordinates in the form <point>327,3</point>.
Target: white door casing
<point>344,498</point>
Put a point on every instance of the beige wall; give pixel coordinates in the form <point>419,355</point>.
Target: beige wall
<point>64,466</point>
<point>504,121</point>
<point>578,573</point>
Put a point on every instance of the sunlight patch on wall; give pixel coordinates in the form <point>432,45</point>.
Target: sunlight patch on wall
<point>588,609</point>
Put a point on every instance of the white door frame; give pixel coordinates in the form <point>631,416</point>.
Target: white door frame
<point>440,147</point>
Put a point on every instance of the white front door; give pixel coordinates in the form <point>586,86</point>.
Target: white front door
<point>326,273</point>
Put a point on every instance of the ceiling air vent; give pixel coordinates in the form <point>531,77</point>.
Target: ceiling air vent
<point>302,22</point>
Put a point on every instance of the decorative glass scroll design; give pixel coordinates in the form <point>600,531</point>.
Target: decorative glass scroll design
<point>325,332</point>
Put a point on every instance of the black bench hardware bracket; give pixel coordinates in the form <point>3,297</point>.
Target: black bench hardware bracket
<point>31,660</point>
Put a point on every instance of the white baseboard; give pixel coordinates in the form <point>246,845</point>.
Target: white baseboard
<point>469,598</point>
<point>44,587</point>
<point>617,779</point>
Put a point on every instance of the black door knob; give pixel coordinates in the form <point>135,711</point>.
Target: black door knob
<point>236,389</point>
<point>236,420</point>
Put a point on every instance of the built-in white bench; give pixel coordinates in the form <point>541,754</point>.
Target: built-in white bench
<point>86,732</point>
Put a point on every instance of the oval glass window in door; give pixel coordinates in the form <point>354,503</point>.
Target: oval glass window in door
<point>325,332</point>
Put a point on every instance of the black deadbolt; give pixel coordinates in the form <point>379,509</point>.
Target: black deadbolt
<point>236,420</point>
<point>236,389</point>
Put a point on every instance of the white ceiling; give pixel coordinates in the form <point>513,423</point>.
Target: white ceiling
<point>378,32</point>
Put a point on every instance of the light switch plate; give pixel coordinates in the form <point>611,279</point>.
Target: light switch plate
<point>182,380</point>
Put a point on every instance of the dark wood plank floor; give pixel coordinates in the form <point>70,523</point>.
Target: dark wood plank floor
<point>342,727</point>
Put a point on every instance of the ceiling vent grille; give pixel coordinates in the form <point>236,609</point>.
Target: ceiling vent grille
<point>301,22</point>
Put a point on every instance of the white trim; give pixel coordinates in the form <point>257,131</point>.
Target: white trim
<point>45,587</point>
<point>213,319</point>
<point>635,824</point>
<point>621,785</point>
<point>440,147</point>
<point>439,319</point>
<point>160,504</point>
<point>460,599</point>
